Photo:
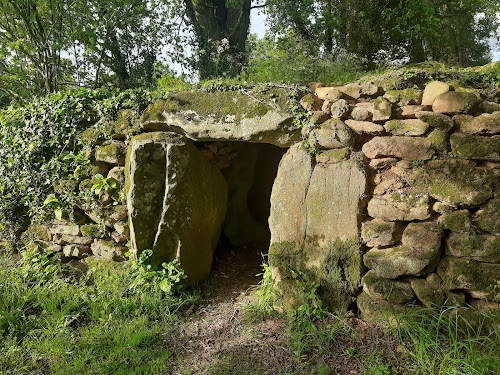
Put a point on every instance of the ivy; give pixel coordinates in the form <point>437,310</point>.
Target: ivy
<point>38,145</point>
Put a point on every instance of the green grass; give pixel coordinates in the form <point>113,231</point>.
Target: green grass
<point>115,319</point>
<point>442,341</point>
<point>54,320</point>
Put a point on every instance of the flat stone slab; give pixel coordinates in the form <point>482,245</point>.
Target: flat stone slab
<point>405,206</point>
<point>315,214</point>
<point>478,278</point>
<point>400,261</point>
<point>223,115</point>
<point>476,147</point>
<point>408,148</point>
<point>456,182</point>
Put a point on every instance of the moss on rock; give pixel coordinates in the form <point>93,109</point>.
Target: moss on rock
<point>476,147</point>
<point>440,141</point>
<point>458,221</point>
<point>488,218</point>
<point>484,248</point>
<point>479,279</point>
<point>390,290</point>
<point>429,290</point>
<point>94,230</point>
<point>456,181</point>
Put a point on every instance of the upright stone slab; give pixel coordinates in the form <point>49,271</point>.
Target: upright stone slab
<point>176,201</point>
<point>314,223</point>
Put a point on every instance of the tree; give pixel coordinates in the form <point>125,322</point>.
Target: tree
<point>123,38</point>
<point>453,31</point>
<point>46,45</point>
<point>32,38</point>
<point>221,31</point>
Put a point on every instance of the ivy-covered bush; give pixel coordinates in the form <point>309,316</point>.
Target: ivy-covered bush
<point>39,144</point>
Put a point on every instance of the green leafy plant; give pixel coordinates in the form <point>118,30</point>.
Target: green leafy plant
<point>52,202</point>
<point>103,185</point>
<point>168,276</point>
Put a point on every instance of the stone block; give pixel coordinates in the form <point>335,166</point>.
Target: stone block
<point>433,90</point>
<point>412,127</point>
<point>479,279</point>
<point>488,218</point>
<point>377,233</point>
<point>380,288</point>
<point>436,120</point>
<point>475,147</point>
<point>407,206</point>
<point>392,263</point>
<point>408,148</point>
<point>454,102</point>
<point>483,248</point>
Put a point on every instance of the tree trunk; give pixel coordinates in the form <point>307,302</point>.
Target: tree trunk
<point>215,21</point>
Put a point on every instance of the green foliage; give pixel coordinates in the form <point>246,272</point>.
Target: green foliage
<point>168,276</point>
<point>307,327</point>
<point>39,145</point>
<point>103,185</point>
<point>101,321</point>
<point>391,31</point>
<point>263,298</point>
<point>442,341</point>
<point>289,59</point>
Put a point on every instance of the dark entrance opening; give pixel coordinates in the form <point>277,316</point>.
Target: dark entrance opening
<point>249,170</point>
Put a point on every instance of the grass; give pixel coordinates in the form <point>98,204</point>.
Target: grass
<point>114,319</point>
<point>55,320</point>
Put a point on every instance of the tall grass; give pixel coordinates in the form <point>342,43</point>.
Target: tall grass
<point>56,320</point>
<point>445,342</point>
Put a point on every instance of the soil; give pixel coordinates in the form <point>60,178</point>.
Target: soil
<point>218,339</point>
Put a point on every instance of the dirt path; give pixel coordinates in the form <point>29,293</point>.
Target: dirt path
<point>217,339</point>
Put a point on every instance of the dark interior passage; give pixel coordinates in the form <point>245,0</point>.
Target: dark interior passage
<point>250,178</point>
<point>249,170</point>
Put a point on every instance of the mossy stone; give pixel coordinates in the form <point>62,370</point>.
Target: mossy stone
<point>176,202</point>
<point>407,206</point>
<point>458,221</point>
<point>226,115</point>
<point>111,153</point>
<point>438,121</point>
<point>392,263</point>
<point>404,97</point>
<point>429,290</point>
<point>488,218</point>
<point>333,156</point>
<point>38,231</point>
<point>373,310</point>
<point>484,248</point>
<point>456,181</point>
<point>412,127</point>
<point>478,278</point>
<point>94,230</point>
<point>65,186</point>
<point>382,109</point>
<point>475,147</point>
<point>390,290</point>
<point>440,141</point>
<point>425,235</point>
<point>377,233</point>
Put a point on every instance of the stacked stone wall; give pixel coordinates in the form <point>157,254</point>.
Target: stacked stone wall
<point>385,198</point>
<point>431,225</point>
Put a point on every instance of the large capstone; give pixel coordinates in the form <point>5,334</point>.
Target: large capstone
<point>176,201</point>
<point>315,216</point>
<point>225,115</point>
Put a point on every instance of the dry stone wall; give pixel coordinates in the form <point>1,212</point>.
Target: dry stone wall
<point>430,229</point>
<point>385,198</point>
